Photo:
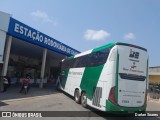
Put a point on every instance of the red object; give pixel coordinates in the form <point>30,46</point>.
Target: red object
<point>111,96</point>
<point>26,81</point>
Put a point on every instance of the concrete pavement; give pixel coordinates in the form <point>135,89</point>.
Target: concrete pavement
<point>48,99</point>
<point>13,92</point>
<point>35,91</point>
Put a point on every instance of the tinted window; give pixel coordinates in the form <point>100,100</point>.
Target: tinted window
<point>132,77</point>
<point>81,61</point>
<point>98,58</point>
<point>90,60</point>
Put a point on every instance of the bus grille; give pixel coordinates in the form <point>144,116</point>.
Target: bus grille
<point>97,96</point>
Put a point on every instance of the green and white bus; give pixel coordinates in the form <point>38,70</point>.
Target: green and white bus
<point>113,77</point>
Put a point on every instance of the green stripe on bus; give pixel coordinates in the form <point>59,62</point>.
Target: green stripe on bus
<point>69,58</point>
<point>65,76</point>
<point>147,72</point>
<point>126,44</point>
<point>92,74</point>
<point>117,68</point>
<point>147,76</point>
<point>90,79</point>
<point>104,47</point>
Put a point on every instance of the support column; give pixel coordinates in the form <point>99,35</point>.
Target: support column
<point>43,67</point>
<point>6,59</point>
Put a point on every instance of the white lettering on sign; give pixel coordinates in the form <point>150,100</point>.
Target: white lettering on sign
<point>28,33</point>
<point>16,27</point>
<point>56,45</point>
<point>37,36</point>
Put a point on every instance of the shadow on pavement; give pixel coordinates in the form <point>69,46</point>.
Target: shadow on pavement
<point>13,92</point>
<point>3,104</point>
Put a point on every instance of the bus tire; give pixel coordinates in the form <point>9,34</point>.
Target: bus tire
<point>84,99</point>
<point>77,96</point>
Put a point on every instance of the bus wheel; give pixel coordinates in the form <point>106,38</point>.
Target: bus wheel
<point>84,99</point>
<point>77,96</point>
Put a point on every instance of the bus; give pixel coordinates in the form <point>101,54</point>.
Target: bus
<point>113,77</point>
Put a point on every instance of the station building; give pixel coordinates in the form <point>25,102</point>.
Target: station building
<point>154,74</point>
<point>25,50</point>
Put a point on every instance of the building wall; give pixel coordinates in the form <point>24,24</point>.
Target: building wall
<point>154,78</point>
<point>154,74</point>
<point>154,70</point>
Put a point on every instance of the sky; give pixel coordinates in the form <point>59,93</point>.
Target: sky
<point>87,24</point>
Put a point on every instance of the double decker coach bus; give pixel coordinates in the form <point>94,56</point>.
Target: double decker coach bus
<point>113,77</point>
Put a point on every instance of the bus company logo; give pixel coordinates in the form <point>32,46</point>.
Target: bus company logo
<point>134,54</point>
<point>134,65</point>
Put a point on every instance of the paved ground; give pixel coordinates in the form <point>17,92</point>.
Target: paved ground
<point>48,99</point>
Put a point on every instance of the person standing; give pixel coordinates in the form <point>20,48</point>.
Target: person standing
<point>25,82</point>
<point>5,84</point>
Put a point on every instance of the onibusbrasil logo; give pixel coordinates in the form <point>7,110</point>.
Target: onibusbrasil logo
<point>21,114</point>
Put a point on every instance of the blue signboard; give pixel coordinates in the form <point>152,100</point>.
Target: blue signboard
<point>28,34</point>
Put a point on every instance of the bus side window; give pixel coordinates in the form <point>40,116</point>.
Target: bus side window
<point>98,58</point>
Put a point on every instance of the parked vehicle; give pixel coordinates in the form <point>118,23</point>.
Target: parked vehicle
<point>113,77</point>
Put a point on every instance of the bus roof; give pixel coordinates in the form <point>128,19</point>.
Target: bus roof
<point>109,46</point>
<point>135,46</point>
